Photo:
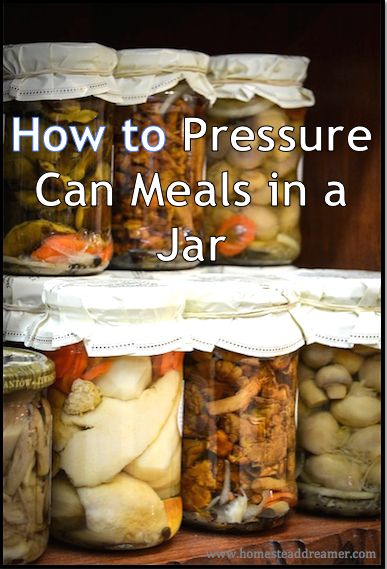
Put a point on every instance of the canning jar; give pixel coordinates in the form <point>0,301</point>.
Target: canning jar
<point>339,431</point>
<point>56,90</point>
<point>117,417</point>
<point>159,87</point>
<point>239,437</point>
<point>254,91</point>
<point>27,431</point>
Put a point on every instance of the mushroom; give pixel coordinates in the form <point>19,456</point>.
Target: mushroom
<point>373,477</point>
<point>334,379</point>
<point>335,471</point>
<point>370,373</point>
<point>312,395</point>
<point>357,410</point>
<point>347,358</point>
<point>240,400</point>
<point>365,350</point>
<point>289,216</point>
<point>365,443</point>
<point>304,372</point>
<point>317,355</point>
<point>320,433</point>
<point>266,222</point>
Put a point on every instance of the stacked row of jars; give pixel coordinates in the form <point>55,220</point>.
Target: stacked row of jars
<point>63,93</point>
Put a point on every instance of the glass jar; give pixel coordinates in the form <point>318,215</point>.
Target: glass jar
<point>117,448</point>
<point>255,91</point>
<point>339,432</point>
<point>239,440</point>
<point>61,239</point>
<point>27,430</point>
<point>163,99</point>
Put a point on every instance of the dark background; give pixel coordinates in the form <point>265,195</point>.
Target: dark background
<point>343,41</point>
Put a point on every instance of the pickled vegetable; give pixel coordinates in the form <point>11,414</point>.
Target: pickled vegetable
<point>63,239</point>
<point>140,232</point>
<point>239,440</point>
<point>275,237</point>
<point>340,436</point>
<point>119,446</point>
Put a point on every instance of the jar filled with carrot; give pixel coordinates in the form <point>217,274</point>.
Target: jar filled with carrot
<point>57,94</point>
<point>256,91</point>
<point>116,403</point>
<point>239,438</point>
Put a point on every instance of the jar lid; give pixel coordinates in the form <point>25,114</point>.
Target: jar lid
<point>147,71</point>
<point>120,316</point>
<point>241,314</point>
<point>24,369</point>
<point>339,308</point>
<point>277,78</point>
<point>49,71</point>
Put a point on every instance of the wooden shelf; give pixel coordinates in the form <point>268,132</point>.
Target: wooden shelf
<point>302,533</point>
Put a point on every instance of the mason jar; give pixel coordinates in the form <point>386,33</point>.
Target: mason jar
<point>118,346</point>
<point>339,411</point>
<point>239,438</point>
<point>254,91</point>
<point>27,432</point>
<point>159,87</point>
<point>50,87</point>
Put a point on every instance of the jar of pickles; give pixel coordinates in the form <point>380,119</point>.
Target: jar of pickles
<point>117,416</point>
<point>58,94</point>
<point>159,87</point>
<point>27,431</point>
<point>239,438</point>
<point>254,91</point>
<point>339,432</point>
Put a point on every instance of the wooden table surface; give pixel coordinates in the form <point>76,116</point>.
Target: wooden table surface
<point>304,539</point>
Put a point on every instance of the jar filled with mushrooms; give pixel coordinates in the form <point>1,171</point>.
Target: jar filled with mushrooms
<point>159,89</point>
<point>257,95</point>
<point>339,410</point>
<point>239,438</point>
<point>116,412</point>
<point>58,139</point>
<point>27,431</point>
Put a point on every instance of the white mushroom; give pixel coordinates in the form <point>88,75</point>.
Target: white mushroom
<point>266,222</point>
<point>334,379</point>
<point>335,471</point>
<point>365,350</point>
<point>373,477</point>
<point>347,358</point>
<point>365,443</point>
<point>245,160</point>
<point>357,410</point>
<point>289,216</point>
<point>320,433</point>
<point>312,395</point>
<point>370,373</point>
<point>304,372</point>
<point>317,355</point>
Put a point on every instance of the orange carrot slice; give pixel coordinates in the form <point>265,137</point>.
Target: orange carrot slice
<point>240,232</point>
<point>165,362</point>
<point>60,247</point>
<point>174,511</point>
<point>281,496</point>
<point>70,362</point>
<point>97,370</point>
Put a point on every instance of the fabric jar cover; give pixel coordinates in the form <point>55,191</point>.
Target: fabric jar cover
<point>242,315</point>
<point>141,73</point>
<point>275,78</point>
<point>338,308</point>
<point>112,317</point>
<point>57,71</point>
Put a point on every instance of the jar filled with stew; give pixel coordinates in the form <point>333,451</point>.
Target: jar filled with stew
<point>159,88</point>
<point>27,437</point>
<point>239,441</point>
<point>117,409</point>
<point>255,91</point>
<point>59,95</point>
<point>339,430</point>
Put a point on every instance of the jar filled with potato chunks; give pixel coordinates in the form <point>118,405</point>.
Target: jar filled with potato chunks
<point>159,88</point>
<point>255,91</point>
<point>339,430</point>
<point>117,416</point>
<point>27,438</point>
<point>239,437</point>
<point>57,96</point>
